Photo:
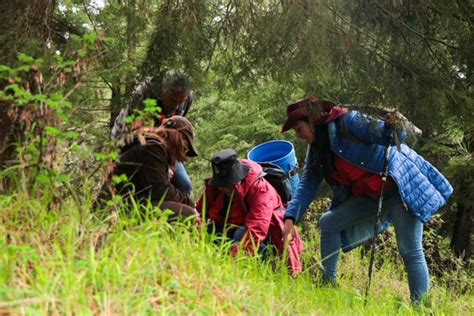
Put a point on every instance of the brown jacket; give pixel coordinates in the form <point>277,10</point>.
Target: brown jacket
<point>146,167</point>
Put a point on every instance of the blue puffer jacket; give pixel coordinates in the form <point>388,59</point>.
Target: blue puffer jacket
<point>360,140</point>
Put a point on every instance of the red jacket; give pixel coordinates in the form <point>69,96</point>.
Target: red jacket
<point>258,206</point>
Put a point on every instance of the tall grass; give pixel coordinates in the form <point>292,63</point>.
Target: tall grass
<point>63,258</point>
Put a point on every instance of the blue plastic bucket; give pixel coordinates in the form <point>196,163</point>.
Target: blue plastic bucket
<point>279,152</point>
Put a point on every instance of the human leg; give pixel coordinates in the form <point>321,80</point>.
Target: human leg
<point>264,248</point>
<point>409,232</point>
<point>239,234</point>
<point>333,222</point>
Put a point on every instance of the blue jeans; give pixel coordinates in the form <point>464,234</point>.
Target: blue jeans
<point>408,229</point>
<point>264,249</point>
<point>238,234</point>
<point>181,179</point>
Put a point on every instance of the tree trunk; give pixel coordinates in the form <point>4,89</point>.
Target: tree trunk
<point>463,232</point>
<point>461,241</point>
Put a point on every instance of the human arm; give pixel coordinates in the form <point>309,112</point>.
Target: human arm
<point>155,174</point>
<point>306,191</point>
<point>371,130</point>
<point>261,202</point>
<point>149,88</point>
<point>288,228</point>
<point>188,103</point>
<point>207,200</point>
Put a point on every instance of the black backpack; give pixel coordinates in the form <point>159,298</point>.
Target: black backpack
<point>278,178</point>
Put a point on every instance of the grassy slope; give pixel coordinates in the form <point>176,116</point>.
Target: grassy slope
<point>64,261</point>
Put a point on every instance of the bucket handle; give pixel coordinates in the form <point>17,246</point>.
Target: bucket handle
<point>295,170</point>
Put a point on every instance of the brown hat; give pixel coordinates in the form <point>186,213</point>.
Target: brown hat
<point>301,110</point>
<point>186,128</point>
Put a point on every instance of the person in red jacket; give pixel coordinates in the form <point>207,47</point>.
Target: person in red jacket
<point>245,207</point>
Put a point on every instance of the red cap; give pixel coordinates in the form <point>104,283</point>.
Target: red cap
<point>299,111</point>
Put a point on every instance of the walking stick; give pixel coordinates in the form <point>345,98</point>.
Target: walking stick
<point>378,217</point>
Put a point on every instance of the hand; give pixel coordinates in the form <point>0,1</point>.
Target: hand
<point>170,173</point>
<point>393,118</point>
<point>288,229</point>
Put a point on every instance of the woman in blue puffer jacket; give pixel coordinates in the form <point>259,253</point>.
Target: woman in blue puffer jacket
<point>347,149</point>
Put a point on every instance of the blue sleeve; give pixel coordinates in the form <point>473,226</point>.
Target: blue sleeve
<point>369,129</point>
<point>306,191</point>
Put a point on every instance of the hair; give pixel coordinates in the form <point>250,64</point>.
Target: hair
<point>172,140</point>
<point>323,157</point>
<point>176,81</point>
<point>176,144</point>
<point>314,112</point>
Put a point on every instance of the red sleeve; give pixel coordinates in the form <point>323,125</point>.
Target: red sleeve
<point>206,200</point>
<point>260,200</point>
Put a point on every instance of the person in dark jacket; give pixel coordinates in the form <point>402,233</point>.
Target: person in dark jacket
<point>348,150</point>
<point>173,95</point>
<point>240,202</point>
<point>147,162</point>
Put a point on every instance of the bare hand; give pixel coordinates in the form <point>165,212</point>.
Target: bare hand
<point>288,229</point>
<point>170,173</point>
<point>393,118</point>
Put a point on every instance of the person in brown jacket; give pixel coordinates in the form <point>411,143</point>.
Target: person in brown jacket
<point>148,162</point>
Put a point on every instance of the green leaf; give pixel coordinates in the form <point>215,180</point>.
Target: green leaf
<point>56,96</point>
<point>62,178</point>
<point>81,52</point>
<point>149,103</point>
<point>114,156</point>
<point>25,58</point>
<point>62,116</point>
<point>120,179</point>
<point>51,103</point>
<point>14,87</point>
<point>90,37</point>
<point>130,119</point>
<point>24,68</point>
<point>66,104</point>
<point>76,148</point>
<point>115,199</point>
<point>71,135</point>
<point>58,58</point>
<point>32,149</point>
<point>52,131</point>
<point>39,97</point>
<point>5,97</point>
<point>101,156</point>
<point>43,179</point>
<point>4,68</point>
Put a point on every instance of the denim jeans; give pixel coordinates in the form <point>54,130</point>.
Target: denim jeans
<point>265,247</point>
<point>237,234</point>
<point>181,179</point>
<point>408,229</point>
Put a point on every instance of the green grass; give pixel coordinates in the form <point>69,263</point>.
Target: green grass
<point>64,260</point>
